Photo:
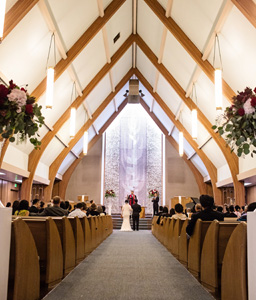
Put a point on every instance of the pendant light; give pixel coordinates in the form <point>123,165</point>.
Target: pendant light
<point>85,143</point>
<point>218,76</point>
<point>50,76</point>
<point>181,149</point>
<point>194,114</point>
<point>72,125</point>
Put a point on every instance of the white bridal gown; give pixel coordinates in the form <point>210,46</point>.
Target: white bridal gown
<point>126,211</point>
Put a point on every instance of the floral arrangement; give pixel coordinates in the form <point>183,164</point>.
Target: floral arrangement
<point>110,193</point>
<point>19,114</point>
<point>238,123</point>
<point>151,193</point>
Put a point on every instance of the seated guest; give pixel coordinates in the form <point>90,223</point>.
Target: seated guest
<point>104,209</point>
<point>172,212</point>
<point>179,212</point>
<point>100,211</point>
<point>164,213</point>
<point>23,209</point>
<point>207,214</point>
<point>63,205</point>
<point>41,206</point>
<point>231,213</point>
<point>220,209</point>
<point>68,206</point>
<point>78,211</point>
<point>15,206</point>
<point>92,211</point>
<point>237,211</point>
<point>35,206</point>
<point>54,210</point>
<point>160,211</point>
<point>250,207</point>
<point>8,204</point>
<point>198,207</point>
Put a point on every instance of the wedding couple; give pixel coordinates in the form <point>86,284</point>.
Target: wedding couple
<point>127,210</point>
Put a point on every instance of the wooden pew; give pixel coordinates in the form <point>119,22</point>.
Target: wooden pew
<point>93,232</point>
<point>234,266</point>
<point>166,228</point>
<point>213,250</point>
<point>68,243</point>
<point>49,248</point>
<point>24,271</point>
<point>162,229</point>
<point>175,237</point>
<point>170,234</point>
<point>79,238</point>
<point>183,245</point>
<point>87,236</point>
<point>110,224</point>
<point>153,226</point>
<point>195,247</point>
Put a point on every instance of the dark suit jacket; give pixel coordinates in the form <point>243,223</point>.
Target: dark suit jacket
<point>33,209</point>
<point>54,211</point>
<point>155,201</point>
<point>136,210</point>
<point>207,214</point>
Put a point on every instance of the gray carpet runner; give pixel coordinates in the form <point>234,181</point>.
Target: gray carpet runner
<point>129,265</point>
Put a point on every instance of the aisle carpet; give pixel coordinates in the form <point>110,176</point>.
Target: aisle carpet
<point>129,265</point>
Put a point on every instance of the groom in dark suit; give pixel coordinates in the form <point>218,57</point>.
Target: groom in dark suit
<point>136,215</point>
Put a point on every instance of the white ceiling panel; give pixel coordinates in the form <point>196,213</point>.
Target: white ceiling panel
<point>196,160</point>
<point>194,17</point>
<point>91,133</point>
<point>148,97</point>
<point>67,162</point>
<point>188,148</point>
<point>146,67</point>
<point>53,149</point>
<point>168,95</point>
<point>122,67</point>
<point>74,20</point>
<point>104,116</point>
<point>62,99</point>
<point>121,23</point>
<point>149,27</point>
<point>23,54</point>
<point>119,98</point>
<point>99,94</point>
<point>177,61</point>
<point>78,148</point>
<point>90,61</point>
<point>237,45</point>
<point>162,117</point>
<point>106,3</point>
<point>214,153</point>
<point>163,3</point>
<point>9,4</point>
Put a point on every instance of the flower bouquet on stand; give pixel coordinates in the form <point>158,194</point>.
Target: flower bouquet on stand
<point>19,114</point>
<point>237,124</point>
<point>110,193</point>
<point>151,193</point>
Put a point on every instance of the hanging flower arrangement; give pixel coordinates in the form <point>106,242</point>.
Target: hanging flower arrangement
<point>152,193</point>
<point>238,123</point>
<point>19,114</point>
<point>110,193</point>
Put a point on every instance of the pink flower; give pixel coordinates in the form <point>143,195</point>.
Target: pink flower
<point>3,91</point>
<point>248,108</point>
<point>19,97</point>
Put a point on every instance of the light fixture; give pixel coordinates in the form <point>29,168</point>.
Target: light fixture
<point>181,149</point>
<point>218,76</point>
<point>141,94</point>
<point>72,125</point>
<point>194,114</point>
<point>50,76</point>
<point>126,93</point>
<point>2,16</point>
<point>85,143</point>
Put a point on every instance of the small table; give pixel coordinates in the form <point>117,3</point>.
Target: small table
<point>142,213</point>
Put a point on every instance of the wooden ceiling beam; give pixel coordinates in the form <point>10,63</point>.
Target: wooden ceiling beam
<point>198,176</point>
<point>35,155</point>
<point>187,44</point>
<point>16,13</point>
<point>78,47</point>
<point>248,9</point>
<point>212,170</point>
<point>231,158</point>
<point>66,176</point>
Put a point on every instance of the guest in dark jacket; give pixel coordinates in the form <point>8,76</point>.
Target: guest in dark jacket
<point>136,209</point>
<point>54,210</point>
<point>230,213</point>
<point>35,206</point>
<point>155,204</point>
<point>207,214</point>
<point>92,211</point>
<point>251,207</point>
<point>15,206</point>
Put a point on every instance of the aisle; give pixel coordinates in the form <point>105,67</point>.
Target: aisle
<point>129,265</point>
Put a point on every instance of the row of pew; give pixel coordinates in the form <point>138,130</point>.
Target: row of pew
<point>45,249</point>
<point>216,253</point>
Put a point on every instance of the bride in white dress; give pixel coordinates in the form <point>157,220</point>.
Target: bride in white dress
<point>126,212</point>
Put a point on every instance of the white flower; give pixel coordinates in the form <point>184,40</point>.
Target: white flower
<point>248,109</point>
<point>19,97</point>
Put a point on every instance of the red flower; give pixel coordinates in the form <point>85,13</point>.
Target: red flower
<point>254,90</point>
<point>12,85</point>
<point>253,102</point>
<point>3,91</point>
<point>240,112</point>
<point>22,89</point>
<point>29,109</point>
